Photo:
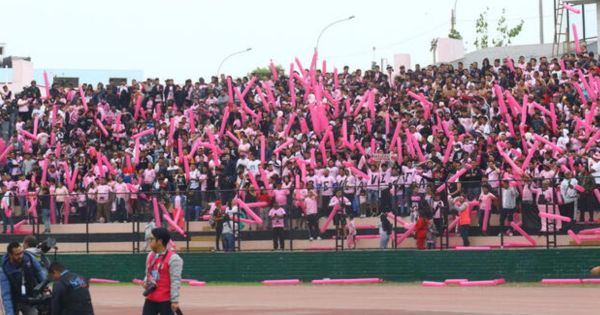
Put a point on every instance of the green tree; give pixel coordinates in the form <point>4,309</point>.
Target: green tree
<point>505,33</point>
<point>481,29</point>
<point>455,34</point>
<point>264,73</point>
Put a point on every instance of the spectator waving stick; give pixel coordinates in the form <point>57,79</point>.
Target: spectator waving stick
<point>54,115</point>
<point>192,122</point>
<point>448,151</point>
<point>368,125</point>
<point>395,137</point>
<point>265,178</point>
<point>553,118</point>
<point>262,149</point>
<point>44,172</point>
<point>570,8</point>
<point>249,86</point>
<point>454,178</point>
<point>233,137</point>
<point>46,85</point>
<point>591,92</point>
<point>27,134</point>
<point>561,62</point>
<point>273,70</point>
<point>329,218</point>
<point>83,99</point>
<point>510,64</point>
<point>229,90</point>
<point>508,160</point>
<point>253,181</point>
<point>323,153</point>
<point>224,120</point>
<point>373,146</point>
<point>263,100</point>
<point>336,81</point>
<point>332,142</point>
<point>36,121</point>
<point>387,123</point>
<point>144,133</point>
<point>283,146</point>
<point>356,171</point>
<point>579,92</point>
<point>102,128</point>
<point>157,112</point>
<point>71,184</point>
<point>100,164</point>
<point>248,210</point>
<point>136,151</point>
<point>270,96</point>
<point>288,126</point>
<point>371,104</point>
<point>313,159</point>
<point>547,142</point>
<point>576,39</point>
<point>530,154</point>
<point>360,148</point>
<point>157,220</point>
<point>592,140</point>
<point>5,152</point>
<point>514,106</point>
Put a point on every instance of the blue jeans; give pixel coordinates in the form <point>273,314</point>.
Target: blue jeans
<point>228,242</point>
<point>383,240</point>
<point>372,196</point>
<point>46,219</point>
<point>193,213</point>
<point>23,204</point>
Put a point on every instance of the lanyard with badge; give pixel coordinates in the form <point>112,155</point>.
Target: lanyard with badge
<point>154,272</point>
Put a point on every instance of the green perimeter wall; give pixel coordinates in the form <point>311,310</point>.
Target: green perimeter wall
<point>399,265</point>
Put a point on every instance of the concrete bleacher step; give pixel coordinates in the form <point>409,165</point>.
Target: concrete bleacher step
<point>197,249</point>
<point>203,238</point>
<point>585,243</point>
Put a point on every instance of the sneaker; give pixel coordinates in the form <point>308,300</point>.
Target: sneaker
<point>310,239</point>
<point>318,238</point>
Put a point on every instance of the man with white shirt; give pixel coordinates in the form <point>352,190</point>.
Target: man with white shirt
<point>326,184</point>
<point>252,164</point>
<point>509,204</point>
<point>103,201</point>
<point>569,195</point>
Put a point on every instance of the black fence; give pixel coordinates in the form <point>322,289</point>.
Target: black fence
<point>401,203</point>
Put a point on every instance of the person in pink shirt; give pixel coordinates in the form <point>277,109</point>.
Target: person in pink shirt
<point>486,198</point>
<point>310,198</point>
<point>547,202</point>
<point>280,195</point>
<point>148,177</point>
<point>277,215</point>
<point>22,187</point>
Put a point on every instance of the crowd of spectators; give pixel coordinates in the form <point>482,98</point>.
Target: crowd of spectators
<point>363,134</point>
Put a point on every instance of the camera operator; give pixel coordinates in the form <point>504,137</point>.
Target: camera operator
<point>20,273</point>
<point>31,246</point>
<point>70,292</point>
<point>163,276</point>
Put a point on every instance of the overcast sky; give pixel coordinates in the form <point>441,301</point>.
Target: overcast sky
<point>188,39</point>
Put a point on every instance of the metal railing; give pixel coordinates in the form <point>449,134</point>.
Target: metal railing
<point>365,200</point>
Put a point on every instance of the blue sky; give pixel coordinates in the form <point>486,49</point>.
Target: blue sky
<point>187,39</point>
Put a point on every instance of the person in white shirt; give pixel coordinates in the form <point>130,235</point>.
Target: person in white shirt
<point>569,195</point>
<point>103,201</point>
<point>509,204</point>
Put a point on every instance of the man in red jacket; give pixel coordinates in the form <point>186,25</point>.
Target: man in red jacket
<point>163,276</point>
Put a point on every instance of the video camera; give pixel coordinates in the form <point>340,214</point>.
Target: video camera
<point>42,298</point>
<point>47,245</point>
